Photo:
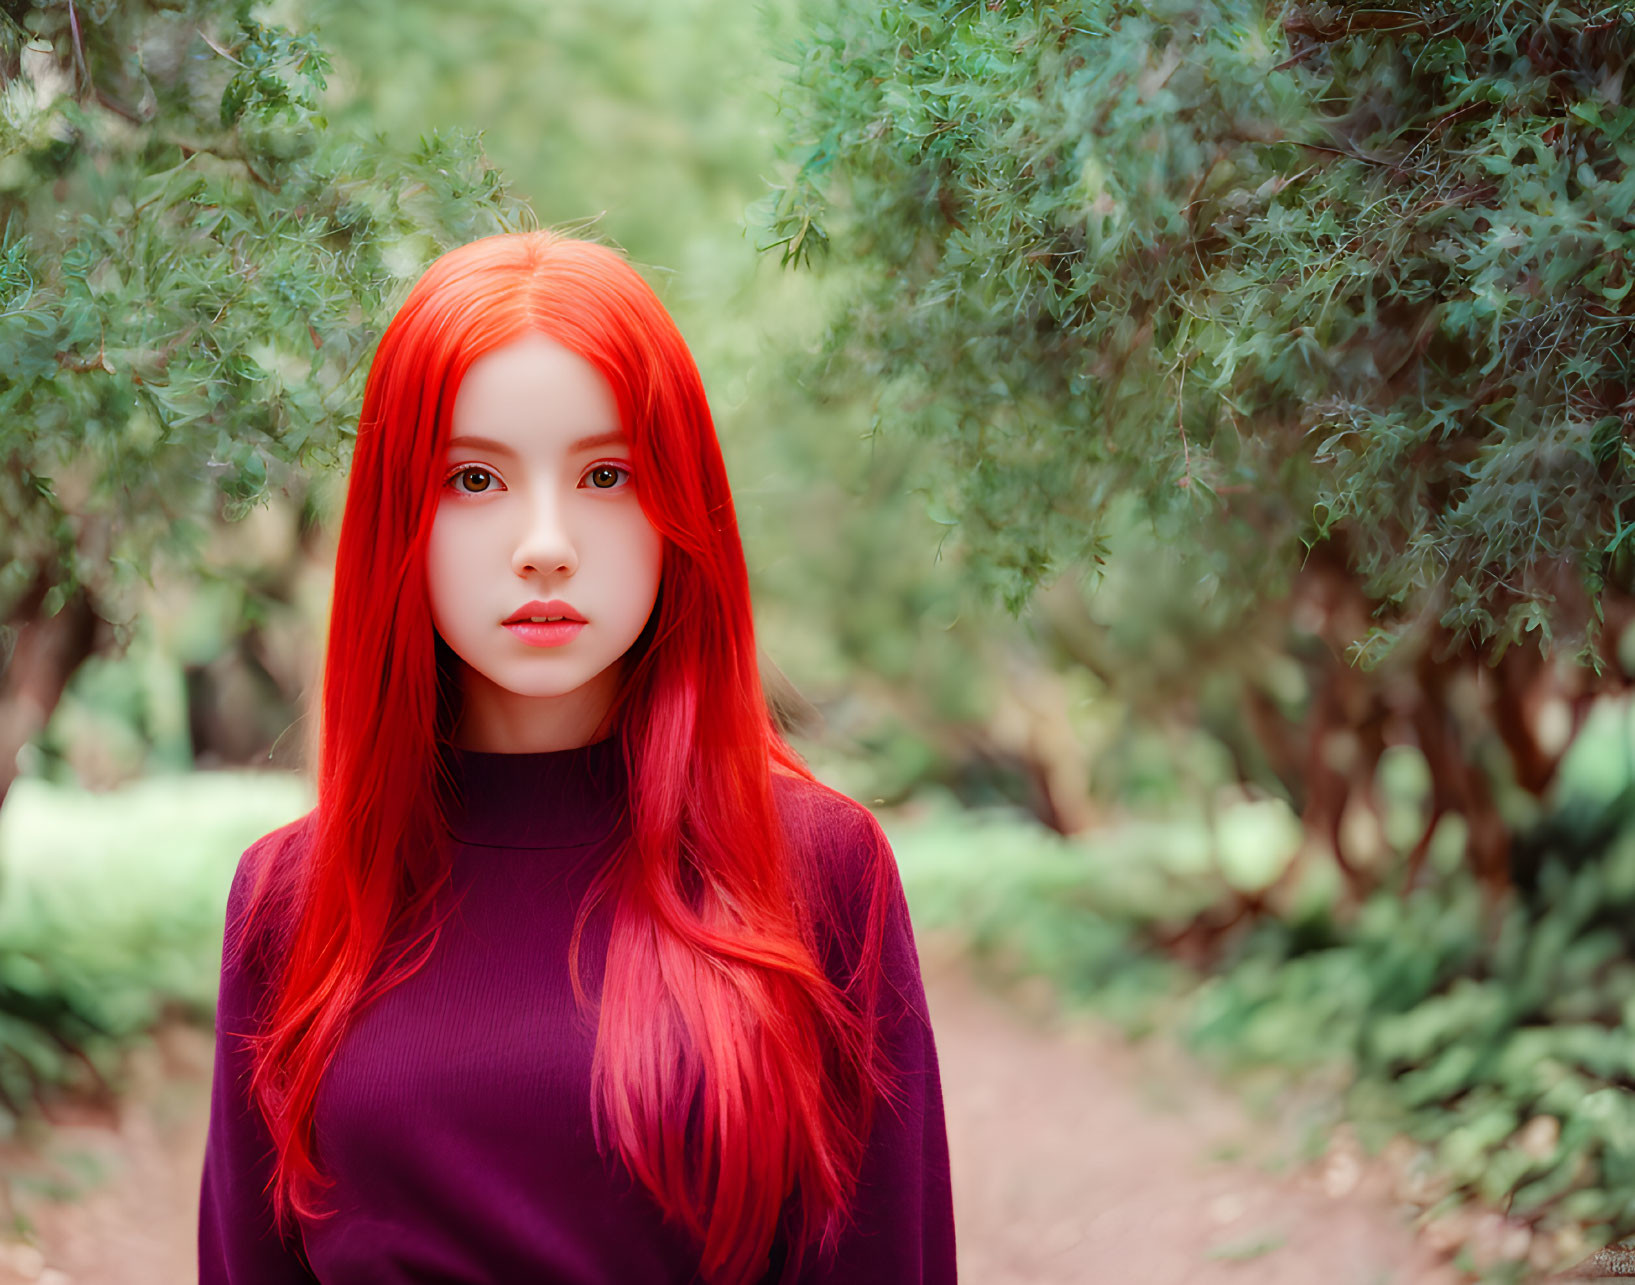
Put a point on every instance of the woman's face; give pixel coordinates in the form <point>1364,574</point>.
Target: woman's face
<point>538,505</point>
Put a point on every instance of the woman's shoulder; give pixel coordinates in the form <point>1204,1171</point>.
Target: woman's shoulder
<point>830,829</point>
<point>808,800</point>
<point>264,887</point>
<point>842,862</point>
<point>273,857</point>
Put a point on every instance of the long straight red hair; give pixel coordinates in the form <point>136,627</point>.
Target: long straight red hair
<point>711,981</point>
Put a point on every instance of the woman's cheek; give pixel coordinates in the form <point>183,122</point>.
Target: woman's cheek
<point>446,552</point>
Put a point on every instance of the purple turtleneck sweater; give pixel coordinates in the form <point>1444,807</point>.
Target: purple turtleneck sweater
<point>455,1117</point>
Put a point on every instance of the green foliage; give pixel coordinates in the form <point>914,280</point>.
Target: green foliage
<point>1499,1037</point>
<point>193,272</point>
<point>1031,902</point>
<point>1459,1028</point>
<point>272,66</point>
<point>614,115</point>
<point>111,914</point>
<point>1287,275</point>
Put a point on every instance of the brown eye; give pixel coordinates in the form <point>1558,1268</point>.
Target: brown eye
<point>604,477</point>
<point>483,476</point>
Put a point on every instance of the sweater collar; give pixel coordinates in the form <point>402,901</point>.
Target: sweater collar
<point>546,799</point>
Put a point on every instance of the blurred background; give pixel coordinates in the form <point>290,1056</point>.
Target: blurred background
<point>1183,454</point>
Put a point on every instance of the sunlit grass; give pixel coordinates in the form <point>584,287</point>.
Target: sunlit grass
<point>122,893</point>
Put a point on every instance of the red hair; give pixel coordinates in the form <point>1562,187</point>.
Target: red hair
<point>712,981</point>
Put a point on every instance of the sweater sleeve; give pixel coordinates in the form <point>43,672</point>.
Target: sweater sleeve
<point>237,1241</point>
<point>901,1230</point>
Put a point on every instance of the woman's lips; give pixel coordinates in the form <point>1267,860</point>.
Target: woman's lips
<point>552,634</point>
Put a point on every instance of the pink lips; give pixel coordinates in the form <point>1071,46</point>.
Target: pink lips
<point>545,634</point>
<point>555,607</point>
<point>553,634</point>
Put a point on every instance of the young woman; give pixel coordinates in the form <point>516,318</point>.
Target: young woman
<point>575,974</point>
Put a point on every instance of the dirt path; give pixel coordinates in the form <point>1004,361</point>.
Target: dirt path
<point>1077,1158</point>
<point>112,1198</point>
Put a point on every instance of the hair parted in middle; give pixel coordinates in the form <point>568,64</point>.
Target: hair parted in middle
<point>712,982</point>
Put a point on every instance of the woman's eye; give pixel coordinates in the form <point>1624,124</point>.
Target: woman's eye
<point>602,477</point>
<point>483,480</point>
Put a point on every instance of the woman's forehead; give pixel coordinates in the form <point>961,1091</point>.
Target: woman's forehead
<point>500,447</point>
<point>530,394</point>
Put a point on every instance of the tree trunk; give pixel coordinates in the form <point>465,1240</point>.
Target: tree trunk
<point>45,652</point>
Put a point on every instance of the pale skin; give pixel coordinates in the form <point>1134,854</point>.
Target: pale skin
<point>542,505</point>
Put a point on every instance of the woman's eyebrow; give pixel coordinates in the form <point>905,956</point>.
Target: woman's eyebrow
<point>581,444</point>
<point>598,439</point>
<point>481,443</point>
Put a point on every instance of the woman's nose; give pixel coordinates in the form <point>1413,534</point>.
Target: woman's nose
<point>545,543</point>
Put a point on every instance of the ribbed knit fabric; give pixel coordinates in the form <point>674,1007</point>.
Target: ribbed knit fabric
<point>455,1118</point>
